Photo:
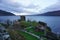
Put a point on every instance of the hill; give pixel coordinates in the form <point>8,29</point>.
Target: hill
<point>5,13</point>
<point>52,13</point>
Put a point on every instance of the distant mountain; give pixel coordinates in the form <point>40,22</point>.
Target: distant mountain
<point>4,13</point>
<point>52,13</point>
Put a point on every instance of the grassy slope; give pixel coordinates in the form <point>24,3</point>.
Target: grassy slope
<point>27,36</point>
<point>33,31</point>
<point>15,36</point>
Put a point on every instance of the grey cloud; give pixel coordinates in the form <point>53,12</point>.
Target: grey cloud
<point>12,9</point>
<point>54,7</point>
<point>32,6</point>
<point>15,7</point>
<point>8,6</point>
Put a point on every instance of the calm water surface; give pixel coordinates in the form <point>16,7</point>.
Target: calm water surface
<point>52,21</point>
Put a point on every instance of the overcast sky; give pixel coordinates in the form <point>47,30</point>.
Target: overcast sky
<point>28,7</point>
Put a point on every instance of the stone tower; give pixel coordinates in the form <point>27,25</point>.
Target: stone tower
<point>22,18</point>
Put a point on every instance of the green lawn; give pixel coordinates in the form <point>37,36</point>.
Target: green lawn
<point>37,33</point>
<point>33,31</point>
<point>27,36</point>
